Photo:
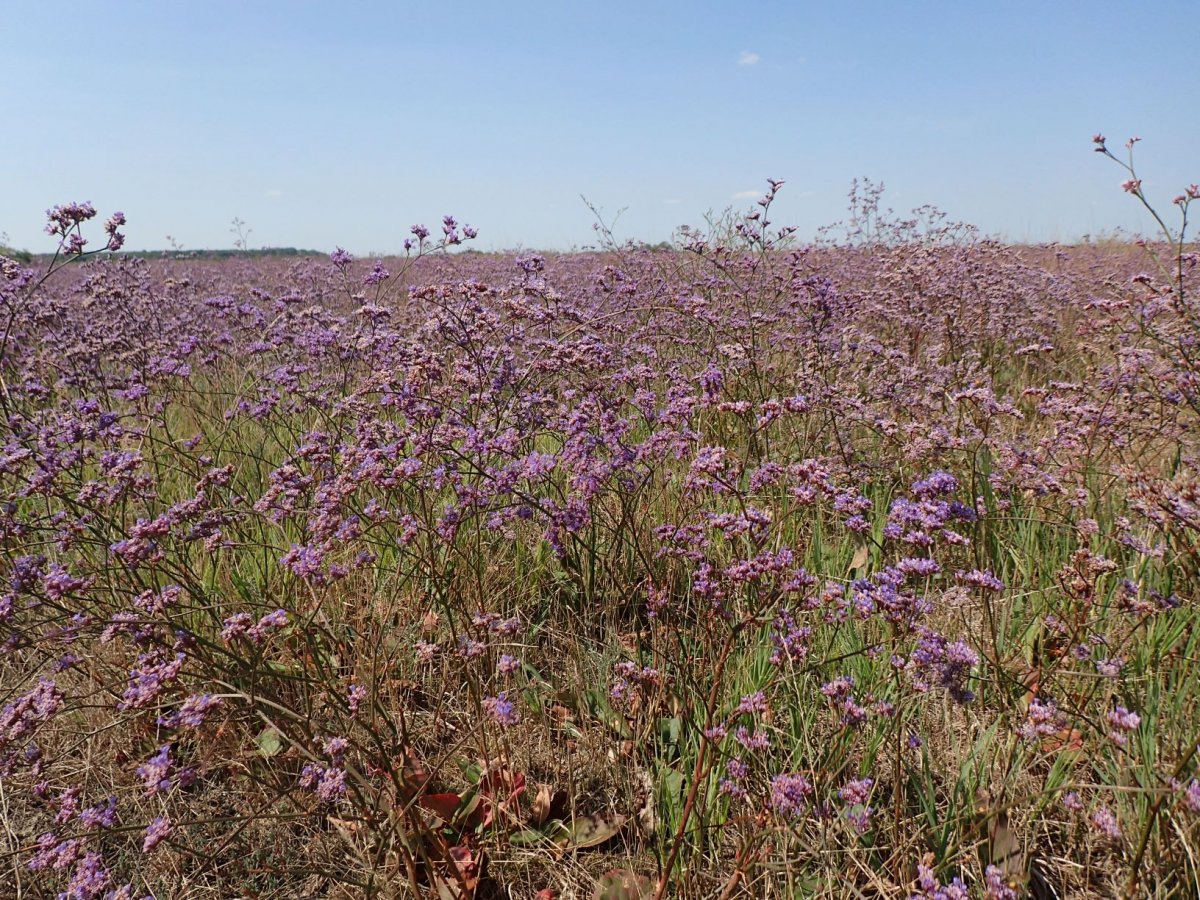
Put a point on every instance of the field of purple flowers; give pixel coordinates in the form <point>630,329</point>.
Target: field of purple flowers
<point>859,569</point>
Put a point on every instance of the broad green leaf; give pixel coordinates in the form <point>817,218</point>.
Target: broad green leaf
<point>269,741</point>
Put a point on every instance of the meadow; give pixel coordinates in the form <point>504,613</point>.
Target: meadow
<point>750,568</point>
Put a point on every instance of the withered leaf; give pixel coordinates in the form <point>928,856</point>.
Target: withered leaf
<point>594,830</point>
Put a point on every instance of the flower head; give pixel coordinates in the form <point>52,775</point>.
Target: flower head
<point>501,710</point>
<point>157,832</point>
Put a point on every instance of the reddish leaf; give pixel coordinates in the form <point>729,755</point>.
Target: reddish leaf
<point>414,777</point>
<point>444,806</point>
<point>462,874</point>
<point>499,782</point>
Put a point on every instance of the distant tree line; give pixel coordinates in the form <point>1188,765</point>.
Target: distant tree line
<point>22,256</point>
<point>184,254</point>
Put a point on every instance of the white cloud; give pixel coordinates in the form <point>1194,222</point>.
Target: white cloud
<point>747,195</point>
<point>748,58</point>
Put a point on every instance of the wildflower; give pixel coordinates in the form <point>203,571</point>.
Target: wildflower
<point>981,579</point>
<point>355,695</point>
<point>59,583</point>
<point>752,704</point>
<point>629,677</point>
<point>1041,719</point>
<point>1105,822</point>
<point>656,601</point>
<point>507,665</point>
<point>88,880</point>
<point>1122,721</point>
<point>152,603</point>
<point>1132,185</point>
<point>505,627</point>
<point>150,675</point>
<point>859,818</point>
<point>335,748</point>
<point>20,719</point>
<point>759,740</point>
<point>332,785</point>
<point>949,663</point>
<point>937,484</point>
<point>855,794</point>
<point>102,815</point>
<point>156,832</point>
<point>468,648</point>
<point>191,713</point>
<point>156,771</point>
<point>53,853</point>
<point>66,216</point>
<point>501,710</point>
<point>838,688</point>
<point>1191,796</point>
<point>789,794</point>
<point>995,887</point>
<point>377,274</point>
<point>304,561</point>
<point>115,239</point>
<point>68,805</point>
<point>272,621</point>
<point>737,771</point>
<point>235,626</point>
<point>853,713</point>
<point>930,888</point>
<point>918,567</point>
<point>790,639</point>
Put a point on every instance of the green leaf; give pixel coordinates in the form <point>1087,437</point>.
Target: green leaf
<point>670,730</point>
<point>670,785</point>
<point>472,771</point>
<point>602,710</point>
<point>553,832</point>
<point>269,741</point>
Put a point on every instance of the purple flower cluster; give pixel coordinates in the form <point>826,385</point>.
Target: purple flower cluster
<point>790,795</point>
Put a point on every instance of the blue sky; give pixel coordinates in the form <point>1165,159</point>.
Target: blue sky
<point>320,126</point>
